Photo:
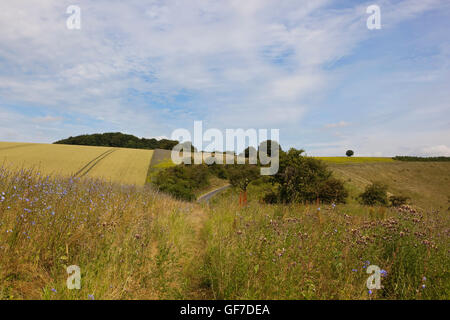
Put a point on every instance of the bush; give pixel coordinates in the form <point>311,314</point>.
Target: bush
<point>374,194</point>
<point>349,153</point>
<point>397,201</point>
<point>306,179</point>
<point>270,198</point>
<point>241,175</point>
<point>181,181</point>
<point>333,190</point>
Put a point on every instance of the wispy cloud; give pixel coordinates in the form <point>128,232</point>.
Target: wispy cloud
<point>147,67</point>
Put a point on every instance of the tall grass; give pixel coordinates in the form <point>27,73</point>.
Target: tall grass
<point>300,252</point>
<point>130,243</point>
<point>134,243</point>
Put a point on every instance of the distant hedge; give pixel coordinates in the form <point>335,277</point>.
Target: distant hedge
<point>408,158</point>
<point>118,140</point>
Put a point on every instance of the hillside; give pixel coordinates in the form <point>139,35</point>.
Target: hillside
<point>427,183</point>
<point>125,166</point>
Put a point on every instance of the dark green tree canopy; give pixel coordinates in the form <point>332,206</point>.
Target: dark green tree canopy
<point>118,140</point>
<point>241,175</point>
<point>349,153</point>
<point>305,179</point>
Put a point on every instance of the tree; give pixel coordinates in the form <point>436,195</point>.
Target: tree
<point>251,152</point>
<point>240,176</point>
<point>268,145</point>
<point>306,179</point>
<point>349,153</point>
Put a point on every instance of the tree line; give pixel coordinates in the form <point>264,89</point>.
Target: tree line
<point>118,140</point>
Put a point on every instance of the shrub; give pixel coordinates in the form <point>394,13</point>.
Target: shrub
<point>397,201</point>
<point>181,181</point>
<point>241,175</point>
<point>349,153</point>
<point>270,198</point>
<point>306,179</point>
<point>333,190</point>
<point>374,194</point>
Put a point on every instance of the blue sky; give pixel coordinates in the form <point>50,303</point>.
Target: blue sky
<point>309,68</point>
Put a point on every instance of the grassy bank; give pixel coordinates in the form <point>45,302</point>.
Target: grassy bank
<point>130,243</point>
<point>134,243</point>
<point>300,252</point>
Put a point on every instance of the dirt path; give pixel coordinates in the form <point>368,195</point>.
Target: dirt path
<point>197,251</point>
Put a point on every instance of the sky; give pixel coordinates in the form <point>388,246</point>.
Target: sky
<point>310,68</point>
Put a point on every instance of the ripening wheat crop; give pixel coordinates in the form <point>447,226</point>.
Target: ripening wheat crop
<point>126,166</point>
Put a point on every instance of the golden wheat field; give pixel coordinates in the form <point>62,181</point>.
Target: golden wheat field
<point>126,166</point>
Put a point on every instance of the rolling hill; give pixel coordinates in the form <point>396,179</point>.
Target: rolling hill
<point>120,165</point>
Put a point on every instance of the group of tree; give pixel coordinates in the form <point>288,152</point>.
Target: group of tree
<point>119,140</point>
<point>299,179</point>
<point>422,159</point>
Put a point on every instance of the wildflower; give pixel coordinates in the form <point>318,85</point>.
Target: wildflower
<point>423,286</point>
<point>383,273</point>
<point>54,290</point>
<point>354,270</point>
<point>91,297</point>
<point>424,279</point>
<point>370,291</point>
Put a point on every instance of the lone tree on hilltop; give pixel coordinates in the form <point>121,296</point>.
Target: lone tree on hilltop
<point>349,153</point>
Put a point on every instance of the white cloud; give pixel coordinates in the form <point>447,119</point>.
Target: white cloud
<point>433,151</point>
<point>251,63</point>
